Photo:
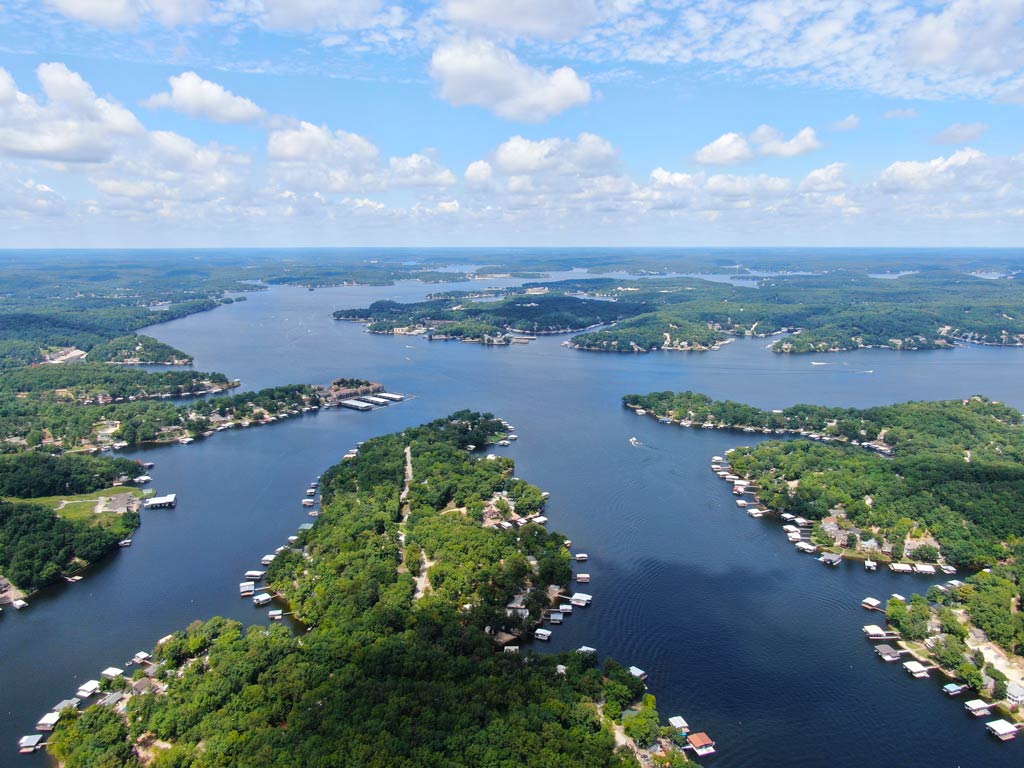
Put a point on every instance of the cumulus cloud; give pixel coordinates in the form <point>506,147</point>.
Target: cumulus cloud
<point>197,97</point>
<point>909,175</point>
<point>849,123</point>
<point>478,72</point>
<point>588,155</point>
<point>960,133</point>
<point>831,178</point>
<point>554,19</point>
<point>735,148</point>
<point>478,173</point>
<point>74,125</point>
<point>727,149</point>
<point>770,141</point>
<point>419,170</point>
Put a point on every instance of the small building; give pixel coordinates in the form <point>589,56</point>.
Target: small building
<point>141,657</point>
<point>583,578</point>
<point>954,689</point>
<point>161,502</point>
<point>262,599</point>
<point>977,707</point>
<point>143,685</point>
<point>832,559</point>
<point>1015,694</point>
<point>679,724</point>
<point>806,547</point>
<point>275,615</point>
<point>581,599</point>
<point>1002,730</point>
<point>246,588</point>
<point>356,405</point>
<point>871,603</point>
<point>582,557</point>
<point>887,652</point>
<point>29,744</point>
<point>376,400</point>
<point>638,673</point>
<point>111,699</point>
<point>586,649</point>
<point>394,397</point>
<point>48,721</point>
<point>701,743</point>
<point>267,559</point>
<point>111,672</point>
<point>875,632</point>
<point>88,688</point>
<point>901,568</point>
<point>565,609</point>
<point>556,617</point>
<point>924,568</point>
<point>915,668</point>
<point>542,634</point>
<point>254,575</point>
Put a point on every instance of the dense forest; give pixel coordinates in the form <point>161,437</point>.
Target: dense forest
<point>30,474</point>
<point>471,320</point>
<point>84,381</point>
<point>36,545</point>
<point>137,349</point>
<point>72,423</point>
<point>387,675</point>
<point>956,472</point>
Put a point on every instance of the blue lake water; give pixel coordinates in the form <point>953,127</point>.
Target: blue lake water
<point>745,638</point>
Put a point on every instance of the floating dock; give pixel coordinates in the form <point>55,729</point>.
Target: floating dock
<point>356,405</point>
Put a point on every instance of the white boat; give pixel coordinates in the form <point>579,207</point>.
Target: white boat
<point>124,543</point>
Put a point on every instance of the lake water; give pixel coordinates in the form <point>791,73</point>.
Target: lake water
<point>745,638</point>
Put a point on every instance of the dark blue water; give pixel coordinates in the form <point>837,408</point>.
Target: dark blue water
<point>742,636</point>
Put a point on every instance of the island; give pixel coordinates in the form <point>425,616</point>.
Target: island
<point>414,614</point>
<point>926,487</point>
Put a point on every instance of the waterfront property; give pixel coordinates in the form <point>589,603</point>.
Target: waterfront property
<point>887,652</point>
<point>915,668</point>
<point>701,743</point>
<point>1002,730</point>
<point>978,708</point>
<point>875,632</point>
<point>872,604</point>
<point>161,502</point>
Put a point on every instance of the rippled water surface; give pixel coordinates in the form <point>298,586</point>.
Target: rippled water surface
<point>745,638</point>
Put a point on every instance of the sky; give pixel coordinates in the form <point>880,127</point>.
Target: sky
<point>219,123</point>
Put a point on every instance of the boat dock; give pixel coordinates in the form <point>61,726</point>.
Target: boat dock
<point>875,632</point>
<point>161,502</point>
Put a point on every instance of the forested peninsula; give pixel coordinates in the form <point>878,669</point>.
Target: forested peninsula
<point>403,587</point>
<point>827,312</point>
<point>939,482</point>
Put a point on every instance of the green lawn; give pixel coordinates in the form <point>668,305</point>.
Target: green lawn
<point>81,506</point>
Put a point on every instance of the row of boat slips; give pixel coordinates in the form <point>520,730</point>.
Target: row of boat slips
<point>88,689</point>
<point>369,402</point>
<point>1001,729</point>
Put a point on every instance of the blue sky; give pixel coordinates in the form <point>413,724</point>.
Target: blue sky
<point>519,122</point>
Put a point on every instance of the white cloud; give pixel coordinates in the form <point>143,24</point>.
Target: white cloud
<point>319,14</point>
<point>478,173</point>
<point>727,149</point>
<point>960,133</point>
<point>770,141</point>
<point>553,19</point>
<point>849,123</point>
<point>589,155</point>
<point>123,13</point>
<point>73,126</point>
<point>728,185</point>
<point>908,175</point>
<point>197,97</point>
<point>831,178</point>
<point>419,170</point>
<point>901,114</point>
<point>478,72</point>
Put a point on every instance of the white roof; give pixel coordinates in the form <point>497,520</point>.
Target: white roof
<point>636,672</point>
<point>871,601</point>
<point>924,568</point>
<point>873,629</point>
<point>111,672</point>
<point>29,741</point>
<point>678,722</point>
<point>914,666</point>
<point>582,596</point>
<point>88,688</point>
<point>586,649</point>
<point>1001,727</point>
<point>976,704</point>
<point>49,719</point>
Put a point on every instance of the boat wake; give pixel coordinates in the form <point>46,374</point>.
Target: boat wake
<point>634,442</point>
